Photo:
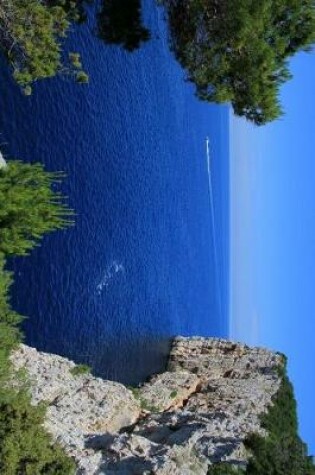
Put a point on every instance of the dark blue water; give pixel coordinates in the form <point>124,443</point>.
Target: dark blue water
<point>139,266</point>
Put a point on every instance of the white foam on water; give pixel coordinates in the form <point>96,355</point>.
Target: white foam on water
<point>110,273</point>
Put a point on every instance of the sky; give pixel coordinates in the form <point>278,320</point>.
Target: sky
<point>272,181</point>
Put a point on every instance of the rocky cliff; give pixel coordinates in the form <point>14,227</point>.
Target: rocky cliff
<point>3,163</point>
<point>195,414</point>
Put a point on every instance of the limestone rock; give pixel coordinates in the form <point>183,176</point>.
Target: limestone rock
<point>198,412</point>
<point>3,163</point>
<point>168,390</point>
<point>77,405</point>
<point>136,455</point>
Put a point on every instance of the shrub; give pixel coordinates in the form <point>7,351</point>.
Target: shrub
<point>282,452</point>
<point>224,469</point>
<point>80,369</point>
<point>9,333</point>
<point>25,448</point>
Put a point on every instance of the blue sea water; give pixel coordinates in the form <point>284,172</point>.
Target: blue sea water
<point>143,262</point>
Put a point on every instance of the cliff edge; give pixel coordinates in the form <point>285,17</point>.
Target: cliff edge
<point>196,413</point>
<point>3,163</point>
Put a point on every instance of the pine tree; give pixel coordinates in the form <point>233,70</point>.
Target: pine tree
<point>31,38</point>
<point>28,207</point>
<point>238,50</point>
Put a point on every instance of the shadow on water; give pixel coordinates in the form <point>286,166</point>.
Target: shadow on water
<point>119,22</point>
<point>132,361</point>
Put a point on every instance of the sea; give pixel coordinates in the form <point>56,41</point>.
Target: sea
<point>148,256</point>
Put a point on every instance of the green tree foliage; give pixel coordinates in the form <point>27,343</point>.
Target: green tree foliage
<point>238,50</point>
<point>28,206</point>
<point>283,455</point>
<point>282,452</point>
<point>9,320</point>
<point>75,9</point>
<point>25,448</point>
<point>119,22</point>
<point>224,469</point>
<point>31,36</point>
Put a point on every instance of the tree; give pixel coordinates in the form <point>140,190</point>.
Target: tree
<point>28,206</point>
<point>25,448</point>
<point>238,50</point>
<point>281,452</point>
<point>31,35</point>
<point>9,320</point>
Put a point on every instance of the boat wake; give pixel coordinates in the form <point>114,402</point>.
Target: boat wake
<point>214,234</point>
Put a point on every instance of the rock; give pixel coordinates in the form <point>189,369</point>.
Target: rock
<point>135,455</point>
<point>87,403</point>
<point>168,390</point>
<point>77,405</point>
<point>3,163</point>
<point>197,413</point>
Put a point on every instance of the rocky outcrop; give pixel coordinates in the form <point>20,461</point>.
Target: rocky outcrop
<point>79,407</point>
<point>164,391</point>
<point>3,163</point>
<point>196,413</point>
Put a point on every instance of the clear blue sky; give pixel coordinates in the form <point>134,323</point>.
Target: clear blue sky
<point>273,235</point>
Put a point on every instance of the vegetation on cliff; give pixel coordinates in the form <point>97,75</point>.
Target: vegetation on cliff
<point>28,209</point>
<point>25,448</point>
<point>282,452</point>
<point>9,320</point>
